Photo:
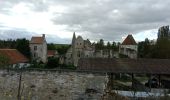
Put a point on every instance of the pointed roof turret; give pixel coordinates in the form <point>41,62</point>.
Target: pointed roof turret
<point>129,40</point>
<point>74,38</point>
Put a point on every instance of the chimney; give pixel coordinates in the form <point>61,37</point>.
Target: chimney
<point>43,35</point>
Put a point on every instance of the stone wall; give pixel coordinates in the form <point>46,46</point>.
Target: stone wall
<point>54,85</point>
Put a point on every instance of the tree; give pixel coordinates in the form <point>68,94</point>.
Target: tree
<point>4,61</point>
<point>22,45</point>
<point>62,49</point>
<point>52,62</point>
<point>100,44</point>
<point>108,45</point>
<point>163,48</point>
<point>51,46</point>
<point>145,49</point>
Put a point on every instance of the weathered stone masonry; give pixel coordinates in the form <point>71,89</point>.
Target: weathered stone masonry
<point>48,85</point>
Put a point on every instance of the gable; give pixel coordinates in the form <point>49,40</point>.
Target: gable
<point>129,40</point>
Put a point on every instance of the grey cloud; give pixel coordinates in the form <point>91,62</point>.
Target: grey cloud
<point>107,19</point>
<point>14,33</point>
<point>99,20</point>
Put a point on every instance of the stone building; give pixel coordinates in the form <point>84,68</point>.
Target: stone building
<point>79,49</point>
<point>38,48</point>
<point>129,47</point>
<point>105,53</point>
<point>164,32</point>
<point>84,49</point>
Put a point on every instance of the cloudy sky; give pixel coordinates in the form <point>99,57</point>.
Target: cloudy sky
<point>111,20</point>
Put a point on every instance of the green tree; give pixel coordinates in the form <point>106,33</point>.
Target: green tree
<point>22,45</point>
<point>163,48</point>
<point>51,46</point>
<point>52,62</point>
<point>108,45</point>
<point>62,49</point>
<point>115,46</point>
<point>145,49</point>
<point>100,44</point>
<point>4,61</point>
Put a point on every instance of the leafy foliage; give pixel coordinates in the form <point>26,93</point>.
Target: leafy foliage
<point>161,49</point>
<point>68,67</point>
<point>61,48</point>
<point>21,45</point>
<point>52,62</point>
<point>100,45</point>
<point>4,61</point>
<point>35,64</point>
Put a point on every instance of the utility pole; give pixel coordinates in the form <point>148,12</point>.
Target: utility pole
<point>19,86</point>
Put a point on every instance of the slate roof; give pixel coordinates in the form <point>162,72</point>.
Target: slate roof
<point>129,40</point>
<point>148,66</point>
<point>37,40</point>
<point>14,56</point>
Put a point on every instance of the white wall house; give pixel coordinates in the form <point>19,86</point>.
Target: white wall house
<point>38,48</point>
<point>129,47</point>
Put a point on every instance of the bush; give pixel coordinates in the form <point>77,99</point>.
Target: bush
<point>35,64</point>
<point>123,56</point>
<point>68,66</point>
<point>52,62</point>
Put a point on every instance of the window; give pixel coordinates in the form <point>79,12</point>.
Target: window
<point>78,54</point>
<point>34,54</point>
<point>35,48</point>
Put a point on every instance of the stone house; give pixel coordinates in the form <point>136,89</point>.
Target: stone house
<point>38,48</point>
<point>15,58</point>
<point>129,47</point>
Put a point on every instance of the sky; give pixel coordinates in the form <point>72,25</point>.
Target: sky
<point>111,20</point>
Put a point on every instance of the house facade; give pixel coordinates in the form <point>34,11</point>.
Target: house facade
<point>38,48</point>
<point>129,47</point>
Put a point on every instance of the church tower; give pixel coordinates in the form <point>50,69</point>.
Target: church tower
<point>73,48</point>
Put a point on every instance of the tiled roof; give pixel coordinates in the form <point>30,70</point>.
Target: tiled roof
<point>141,66</point>
<point>51,52</point>
<point>37,40</point>
<point>129,40</point>
<point>14,56</point>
